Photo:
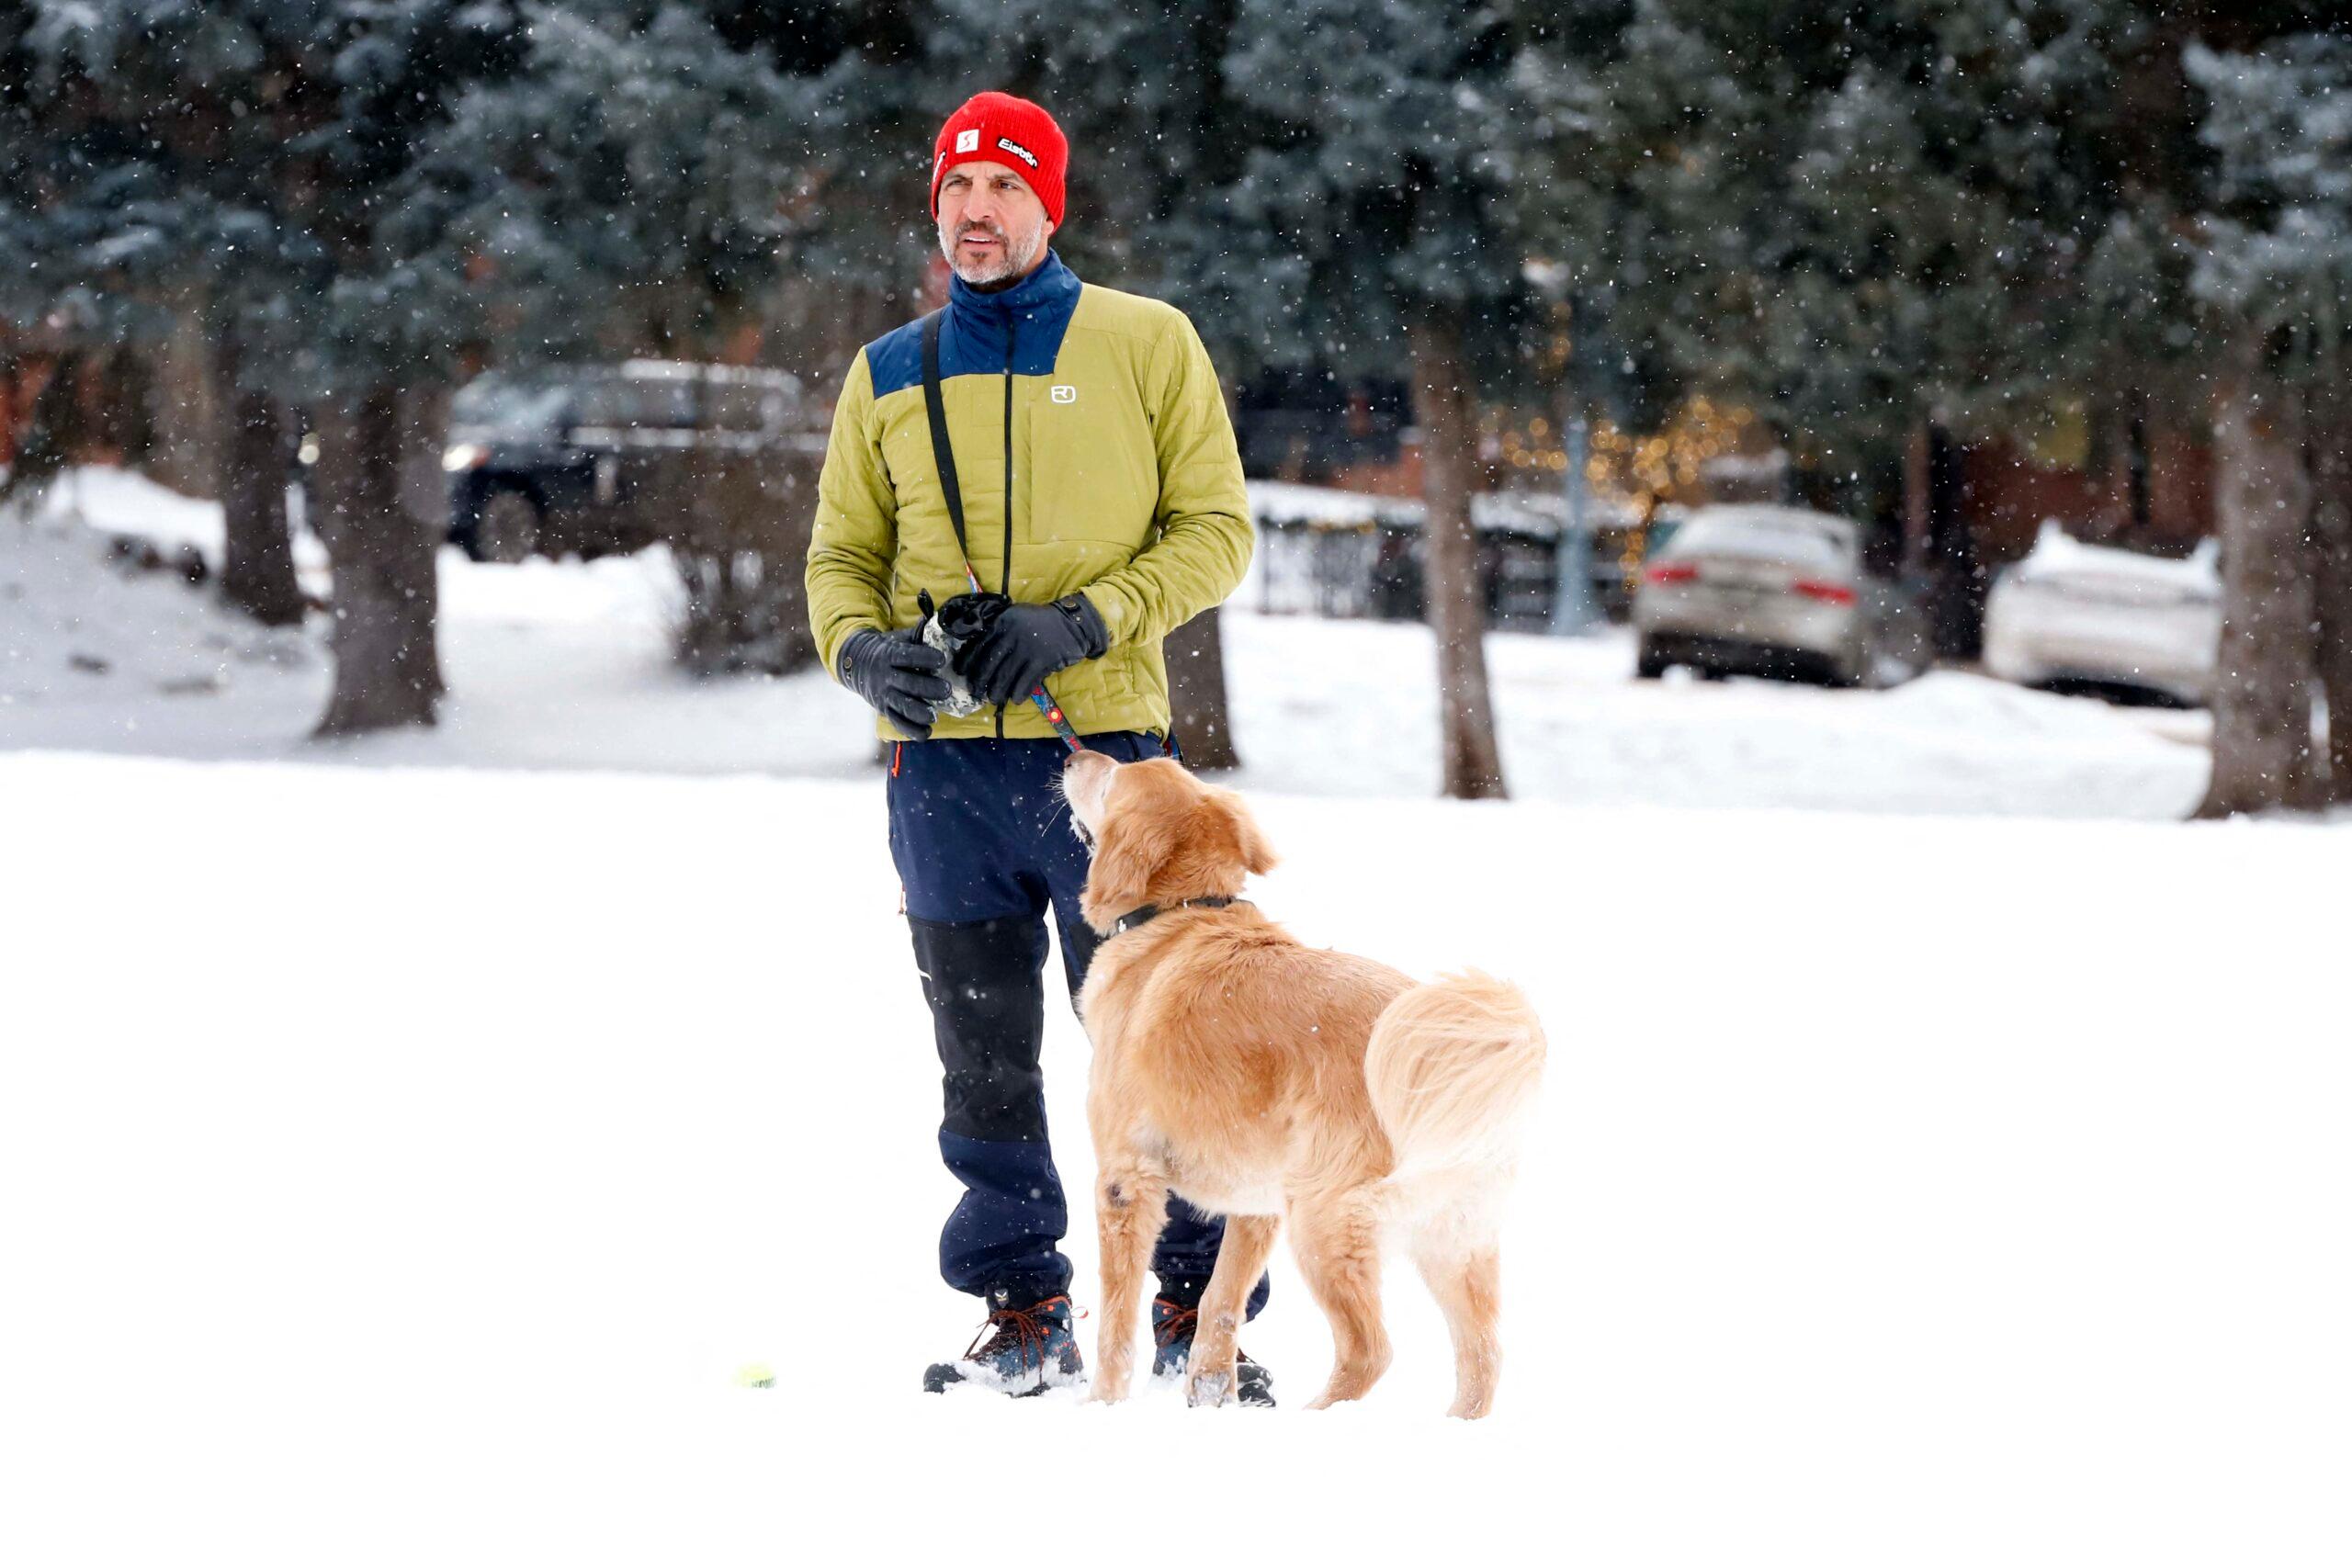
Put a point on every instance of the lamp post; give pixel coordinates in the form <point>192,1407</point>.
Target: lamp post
<point>1573,610</point>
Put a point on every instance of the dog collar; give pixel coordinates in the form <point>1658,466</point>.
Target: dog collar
<point>1134,918</point>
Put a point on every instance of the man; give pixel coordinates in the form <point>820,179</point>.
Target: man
<point>1095,483</point>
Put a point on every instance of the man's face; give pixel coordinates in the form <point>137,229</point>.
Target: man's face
<point>992,228</point>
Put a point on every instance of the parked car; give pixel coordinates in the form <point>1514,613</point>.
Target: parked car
<point>546,462</point>
<point>1774,591</point>
<point>2097,617</point>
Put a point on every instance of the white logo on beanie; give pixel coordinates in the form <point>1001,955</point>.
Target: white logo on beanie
<point>1017,149</point>
<point>969,142</point>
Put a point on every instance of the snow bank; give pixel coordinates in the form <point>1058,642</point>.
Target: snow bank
<point>561,665</point>
<point>96,653</point>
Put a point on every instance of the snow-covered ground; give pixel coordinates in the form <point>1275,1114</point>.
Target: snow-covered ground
<point>402,1161</point>
<point>565,666</point>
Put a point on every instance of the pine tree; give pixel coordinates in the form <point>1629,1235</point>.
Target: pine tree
<point>1375,217</point>
<point>156,138</point>
<point>86,230</point>
<point>390,305</point>
<point>633,190</point>
<point>1865,219</point>
<point>2278,270</point>
<point>640,190</point>
<point>26,138</point>
<point>273,152</point>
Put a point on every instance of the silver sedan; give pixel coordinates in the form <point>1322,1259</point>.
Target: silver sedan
<point>1768,590</point>
<point>2092,617</point>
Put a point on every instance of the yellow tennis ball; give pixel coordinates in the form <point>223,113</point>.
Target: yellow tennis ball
<point>754,1374</point>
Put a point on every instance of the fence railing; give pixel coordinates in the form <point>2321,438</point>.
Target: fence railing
<point>1339,554</point>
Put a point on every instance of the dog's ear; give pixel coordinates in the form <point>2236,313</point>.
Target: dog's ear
<point>1135,843</point>
<point>1250,846</point>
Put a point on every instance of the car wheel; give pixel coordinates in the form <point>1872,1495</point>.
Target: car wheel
<point>508,532</point>
<point>1648,662</point>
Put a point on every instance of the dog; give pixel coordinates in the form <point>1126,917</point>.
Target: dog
<point>1266,1080</point>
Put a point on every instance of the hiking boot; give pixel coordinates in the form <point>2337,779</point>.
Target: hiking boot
<point>1019,1351</point>
<point>1172,1325</point>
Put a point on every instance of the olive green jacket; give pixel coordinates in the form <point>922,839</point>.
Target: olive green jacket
<point>1092,454</point>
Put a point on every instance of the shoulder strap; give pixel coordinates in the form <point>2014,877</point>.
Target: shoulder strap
<point>942,450</point>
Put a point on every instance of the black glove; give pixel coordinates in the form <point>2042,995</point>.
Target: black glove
<point>1028,643</point>
<point>898,673</point>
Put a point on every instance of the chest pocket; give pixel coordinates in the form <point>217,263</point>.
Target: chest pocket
<point>1095,474</point>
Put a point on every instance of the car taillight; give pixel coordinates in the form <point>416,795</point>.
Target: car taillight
<point>1826,592</point>
<point>1673,571</point>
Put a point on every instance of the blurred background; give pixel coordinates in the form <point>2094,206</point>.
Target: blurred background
<point>1880,368</point>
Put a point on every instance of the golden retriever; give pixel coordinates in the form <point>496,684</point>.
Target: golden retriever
<point>1268,1080</point>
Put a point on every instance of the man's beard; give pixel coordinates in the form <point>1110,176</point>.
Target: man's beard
<point>1014,254</point>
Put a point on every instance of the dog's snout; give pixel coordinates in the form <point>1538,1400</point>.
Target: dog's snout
<point>1081,765</point>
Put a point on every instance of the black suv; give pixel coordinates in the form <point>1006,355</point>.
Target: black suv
<point>554,461</point>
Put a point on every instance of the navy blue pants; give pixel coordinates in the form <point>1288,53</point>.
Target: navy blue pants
<point>985,852</point>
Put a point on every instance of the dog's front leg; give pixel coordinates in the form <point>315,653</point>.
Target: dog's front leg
<point>1130,1207</point>
<point>1240,1259</point>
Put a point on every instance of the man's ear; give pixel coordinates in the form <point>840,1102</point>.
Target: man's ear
<point>1133,846</point>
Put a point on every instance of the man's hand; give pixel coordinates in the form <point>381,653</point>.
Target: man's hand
<point>1028,643</point>
<point>898,673</point>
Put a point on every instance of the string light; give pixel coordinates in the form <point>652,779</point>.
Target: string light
<point>1639,472</point>
<point>1632,474</point>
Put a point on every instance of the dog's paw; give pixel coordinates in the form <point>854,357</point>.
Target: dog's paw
<point>1209,1388</point>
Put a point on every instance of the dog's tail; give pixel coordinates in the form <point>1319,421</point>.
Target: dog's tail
<point>1453,1067</point>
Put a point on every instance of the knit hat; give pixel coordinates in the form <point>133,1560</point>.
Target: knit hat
<point>1002,128</point>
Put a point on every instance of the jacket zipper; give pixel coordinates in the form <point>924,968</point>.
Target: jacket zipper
<point>1005,587</point>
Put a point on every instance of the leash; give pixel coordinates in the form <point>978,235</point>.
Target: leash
<point>943,452</point>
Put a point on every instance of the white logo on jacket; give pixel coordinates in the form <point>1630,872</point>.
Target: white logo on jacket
<point>1065,394</point>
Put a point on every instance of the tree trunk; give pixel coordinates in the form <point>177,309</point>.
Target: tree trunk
<point>2332,579</point>
<point>2135,461</point>
<point>386,670</point>
<point>53,431</point>
<point>250,451</point>
<point>1958,580</point>
<point>1918,479</point>
<point>1457,600</point>
<point>189,423</point>
<point>2262,686</point>
<point>1195,652</point>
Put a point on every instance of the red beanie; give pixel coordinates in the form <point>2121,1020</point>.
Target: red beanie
<point>1002,128</point>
